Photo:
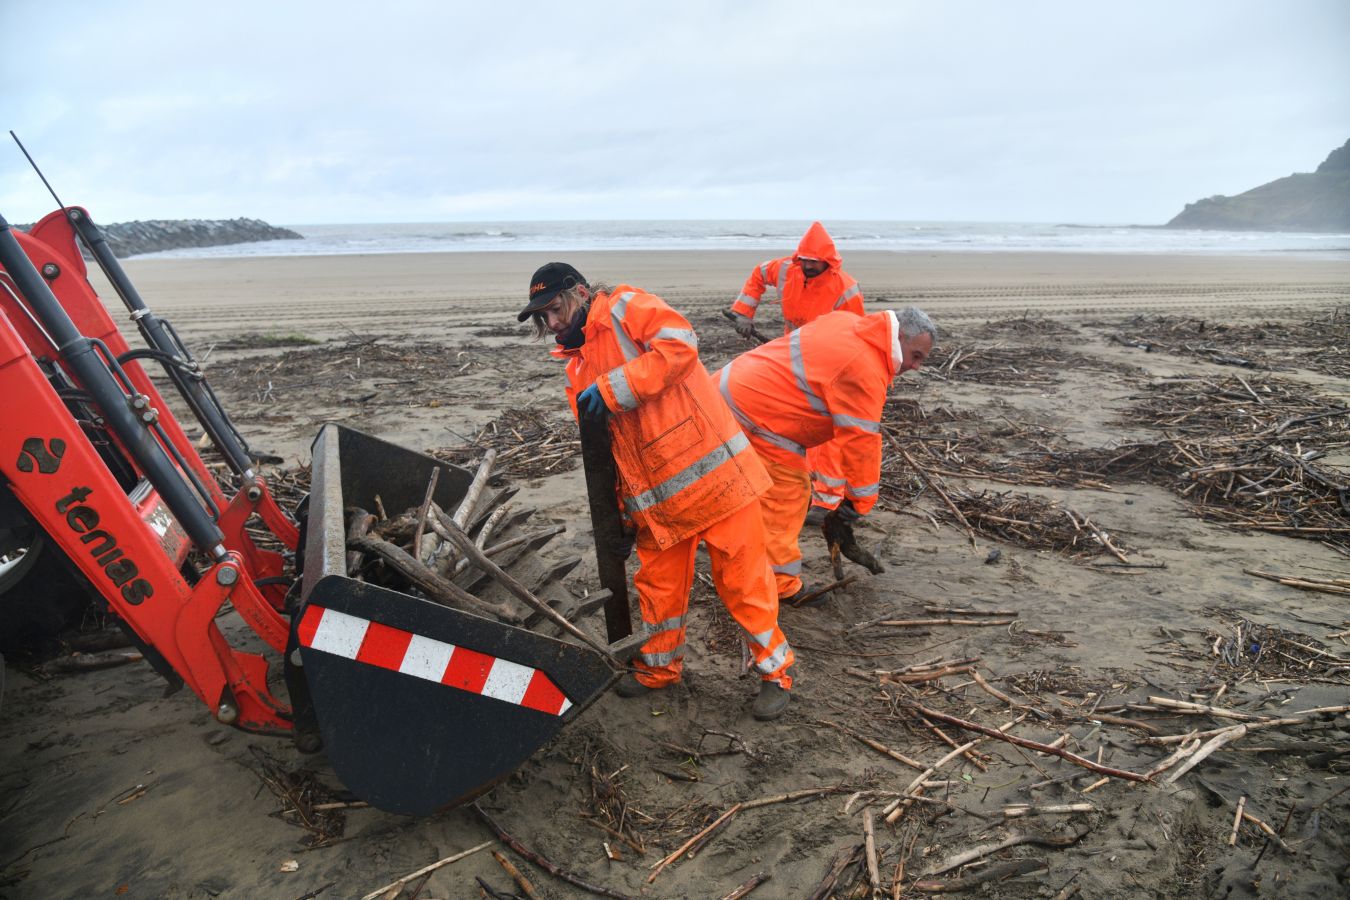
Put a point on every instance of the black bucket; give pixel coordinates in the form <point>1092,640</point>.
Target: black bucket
<point>420,706</point>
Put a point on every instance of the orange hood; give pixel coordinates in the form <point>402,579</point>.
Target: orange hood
<point>817,244</point>
<point>882,331</point>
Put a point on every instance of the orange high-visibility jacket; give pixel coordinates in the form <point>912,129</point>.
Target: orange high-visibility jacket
<point>683,462</point>
<point>803,300</point>
<point>825,381</point>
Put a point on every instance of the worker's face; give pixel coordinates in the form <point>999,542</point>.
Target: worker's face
<point>812,267</point>
<point>916,350</point>
<point>558,315</point>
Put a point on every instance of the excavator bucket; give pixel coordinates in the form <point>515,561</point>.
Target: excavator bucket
<point>420,706</point>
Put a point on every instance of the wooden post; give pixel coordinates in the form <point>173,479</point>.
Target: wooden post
<point>601,490</point>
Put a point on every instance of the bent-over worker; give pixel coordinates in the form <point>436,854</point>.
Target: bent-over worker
<point>686,471</point>
<point>810,283</point>
<point>825,381</point>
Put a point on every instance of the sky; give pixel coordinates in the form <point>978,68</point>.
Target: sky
<point>408,111</point>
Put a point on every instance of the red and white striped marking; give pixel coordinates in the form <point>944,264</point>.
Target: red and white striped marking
<point>423,657</point>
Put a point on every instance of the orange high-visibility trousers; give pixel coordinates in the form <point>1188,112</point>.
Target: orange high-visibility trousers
<point>741,575</point>
<point>785,507</point>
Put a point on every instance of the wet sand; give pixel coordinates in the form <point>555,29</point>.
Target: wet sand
<point>1088,637</point>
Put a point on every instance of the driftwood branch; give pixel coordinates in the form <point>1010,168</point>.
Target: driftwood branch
<point>434,586</point>
<point>480,559</point>
<point>936,488</point>
<point>1024,742</point>
<point>381,891</point>
<point>1001,872</point>
<point>974,853</point>
<point>422,513</point>
<point>703,836</point>
<point>480,479</point>
<point>825,589</point>
<point>541,862</point>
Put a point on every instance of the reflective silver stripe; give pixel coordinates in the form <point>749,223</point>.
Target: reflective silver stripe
<point>764,272</point>
<point>844,297</point>
<point>844,421</point>
<point>867,490</point>
<point>897,352</point>
<point>776,439</point>
<point>683,335</point>
<point>663,659</point>
<point>792,568</point>
<point>829,480</point>
<point>623,394</point>
<point>799,372</point>
<point>630,350</point>
<point>762,638</point>
<point>667,625</point>
<point>690,474</point>
<point>774,660</point>
<point>749,301</point>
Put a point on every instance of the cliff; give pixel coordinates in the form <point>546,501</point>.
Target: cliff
<point>1310,201</point>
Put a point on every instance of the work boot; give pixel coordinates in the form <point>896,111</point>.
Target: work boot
<point>771,702</point>
<point>806,590</point>
<point>628,686</point>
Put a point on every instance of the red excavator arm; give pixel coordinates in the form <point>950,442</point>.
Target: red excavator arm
<point>97,471</point>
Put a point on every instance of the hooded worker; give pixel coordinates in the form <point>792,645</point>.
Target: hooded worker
<point>686,471</point>
<point>826,381</point>
<point>810,283</point>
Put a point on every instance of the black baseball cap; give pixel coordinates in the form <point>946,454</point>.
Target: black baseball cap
<point>548,281</point>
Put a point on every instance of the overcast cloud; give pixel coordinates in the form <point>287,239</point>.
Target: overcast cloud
<point>403,111</point>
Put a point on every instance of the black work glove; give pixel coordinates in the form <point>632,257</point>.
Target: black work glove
<point>623,544</point>
<point>844,513</point>
<point>744,325</point>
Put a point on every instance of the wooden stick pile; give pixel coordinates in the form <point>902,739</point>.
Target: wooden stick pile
<point>530,443</point>
<point>399,371</point>
<point>947,729</point>
<point>1035,523</point>
<point>1025,325</point>
<point>440,556</point>
<point>1021,366</point>
<point>305,802</point>
<point>1247,650</point>
<point>1245,451</point>
<point>1318,343</point>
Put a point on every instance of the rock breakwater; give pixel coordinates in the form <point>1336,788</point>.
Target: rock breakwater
<point>152,236</point>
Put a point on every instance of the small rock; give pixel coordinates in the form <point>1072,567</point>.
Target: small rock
<point>993,556</point>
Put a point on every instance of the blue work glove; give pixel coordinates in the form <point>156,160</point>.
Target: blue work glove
<point>845,513</point>
<point>590,405</point>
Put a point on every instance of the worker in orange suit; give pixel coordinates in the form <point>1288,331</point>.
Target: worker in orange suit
<point>810,283</point>
<point>686,470</point>
<point>826,381</point>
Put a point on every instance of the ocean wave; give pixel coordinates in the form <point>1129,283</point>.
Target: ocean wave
<point>777,238</point>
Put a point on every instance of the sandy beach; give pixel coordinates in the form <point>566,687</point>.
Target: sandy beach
<point>1053,368</point>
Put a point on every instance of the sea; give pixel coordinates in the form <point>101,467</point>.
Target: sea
<point>776,237</point>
